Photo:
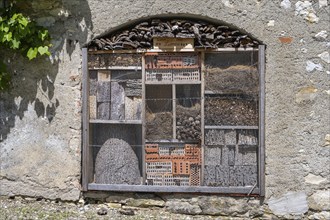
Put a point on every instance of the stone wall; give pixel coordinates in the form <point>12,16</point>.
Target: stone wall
<point>40,118</point>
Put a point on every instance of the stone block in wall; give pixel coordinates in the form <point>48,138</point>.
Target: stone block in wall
<point>230,137</point>
<point>230,206</point>
<point>182,207</point>
<point>133,108</point>
<point>103,91</point>
<point>290,203</point>
<point>92,107</point>
<point>320,200</point>
<point>146,202</point>
<point>103,110</point>
<point>214,137</point>
<point>117,101</point>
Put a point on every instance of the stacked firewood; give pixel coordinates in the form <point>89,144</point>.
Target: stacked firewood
<point>206,35</point>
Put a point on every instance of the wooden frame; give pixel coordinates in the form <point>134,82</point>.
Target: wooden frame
<point>261,162</point>
<point>173,189</point>
<point>86,152</point>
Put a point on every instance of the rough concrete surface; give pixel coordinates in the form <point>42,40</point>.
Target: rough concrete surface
<point>40,118</point>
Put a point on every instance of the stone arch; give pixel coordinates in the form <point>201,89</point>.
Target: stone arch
<point>206,32</point>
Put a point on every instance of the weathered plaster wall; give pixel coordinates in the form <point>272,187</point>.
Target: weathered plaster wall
<point>40,118</point>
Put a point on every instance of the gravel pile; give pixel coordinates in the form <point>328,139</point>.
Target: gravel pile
<point>31,208</point>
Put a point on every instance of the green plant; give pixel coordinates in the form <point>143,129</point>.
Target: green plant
<point>19,33</point>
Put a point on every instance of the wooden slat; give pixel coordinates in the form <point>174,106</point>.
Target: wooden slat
<point>202,59</point>
<point>172,189</point>
<point>185,50</point>
<point>172,82</point>
<point>174,111</point>
<point>261,67</point>
<point>99,121</point>
<point>229,49</point>
<point>230,127</point>
<point>117,68</point>
<point>143,117</point>
<point>86,162</point>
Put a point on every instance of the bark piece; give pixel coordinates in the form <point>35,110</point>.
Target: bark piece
<point>117,101</point>
<point>92,107</point>
<point>103,91</point>
<point>103,110</point>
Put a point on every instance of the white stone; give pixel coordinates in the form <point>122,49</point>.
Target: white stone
<point>286,4</point>
<point>271,23</point>
<point>313,179</point>
<point>290,203</point>
<point>323,3</point>
<point>313,66</point>
<point>301,7</point>
<point>322,35</point>
<point>312,17</point>
<point>306,10</point>
<point>325,56</point>
<point>320,200</point>
<point>320,216</point>
<point>306,94</point>
<point>327,136</point>
<point>227,3</point>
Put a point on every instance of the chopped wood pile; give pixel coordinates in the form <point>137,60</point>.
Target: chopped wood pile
<point>206,35</point>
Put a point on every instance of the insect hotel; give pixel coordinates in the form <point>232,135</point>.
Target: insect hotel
<point>174,106</point>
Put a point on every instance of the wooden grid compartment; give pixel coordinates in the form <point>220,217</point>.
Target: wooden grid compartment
<point>168,180</point>
<point>105,61</point>
<point>176,165</point>
<point>171,60</point>
<point>158,75</point>
<point>195,175</point>
<point>186,74</point>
